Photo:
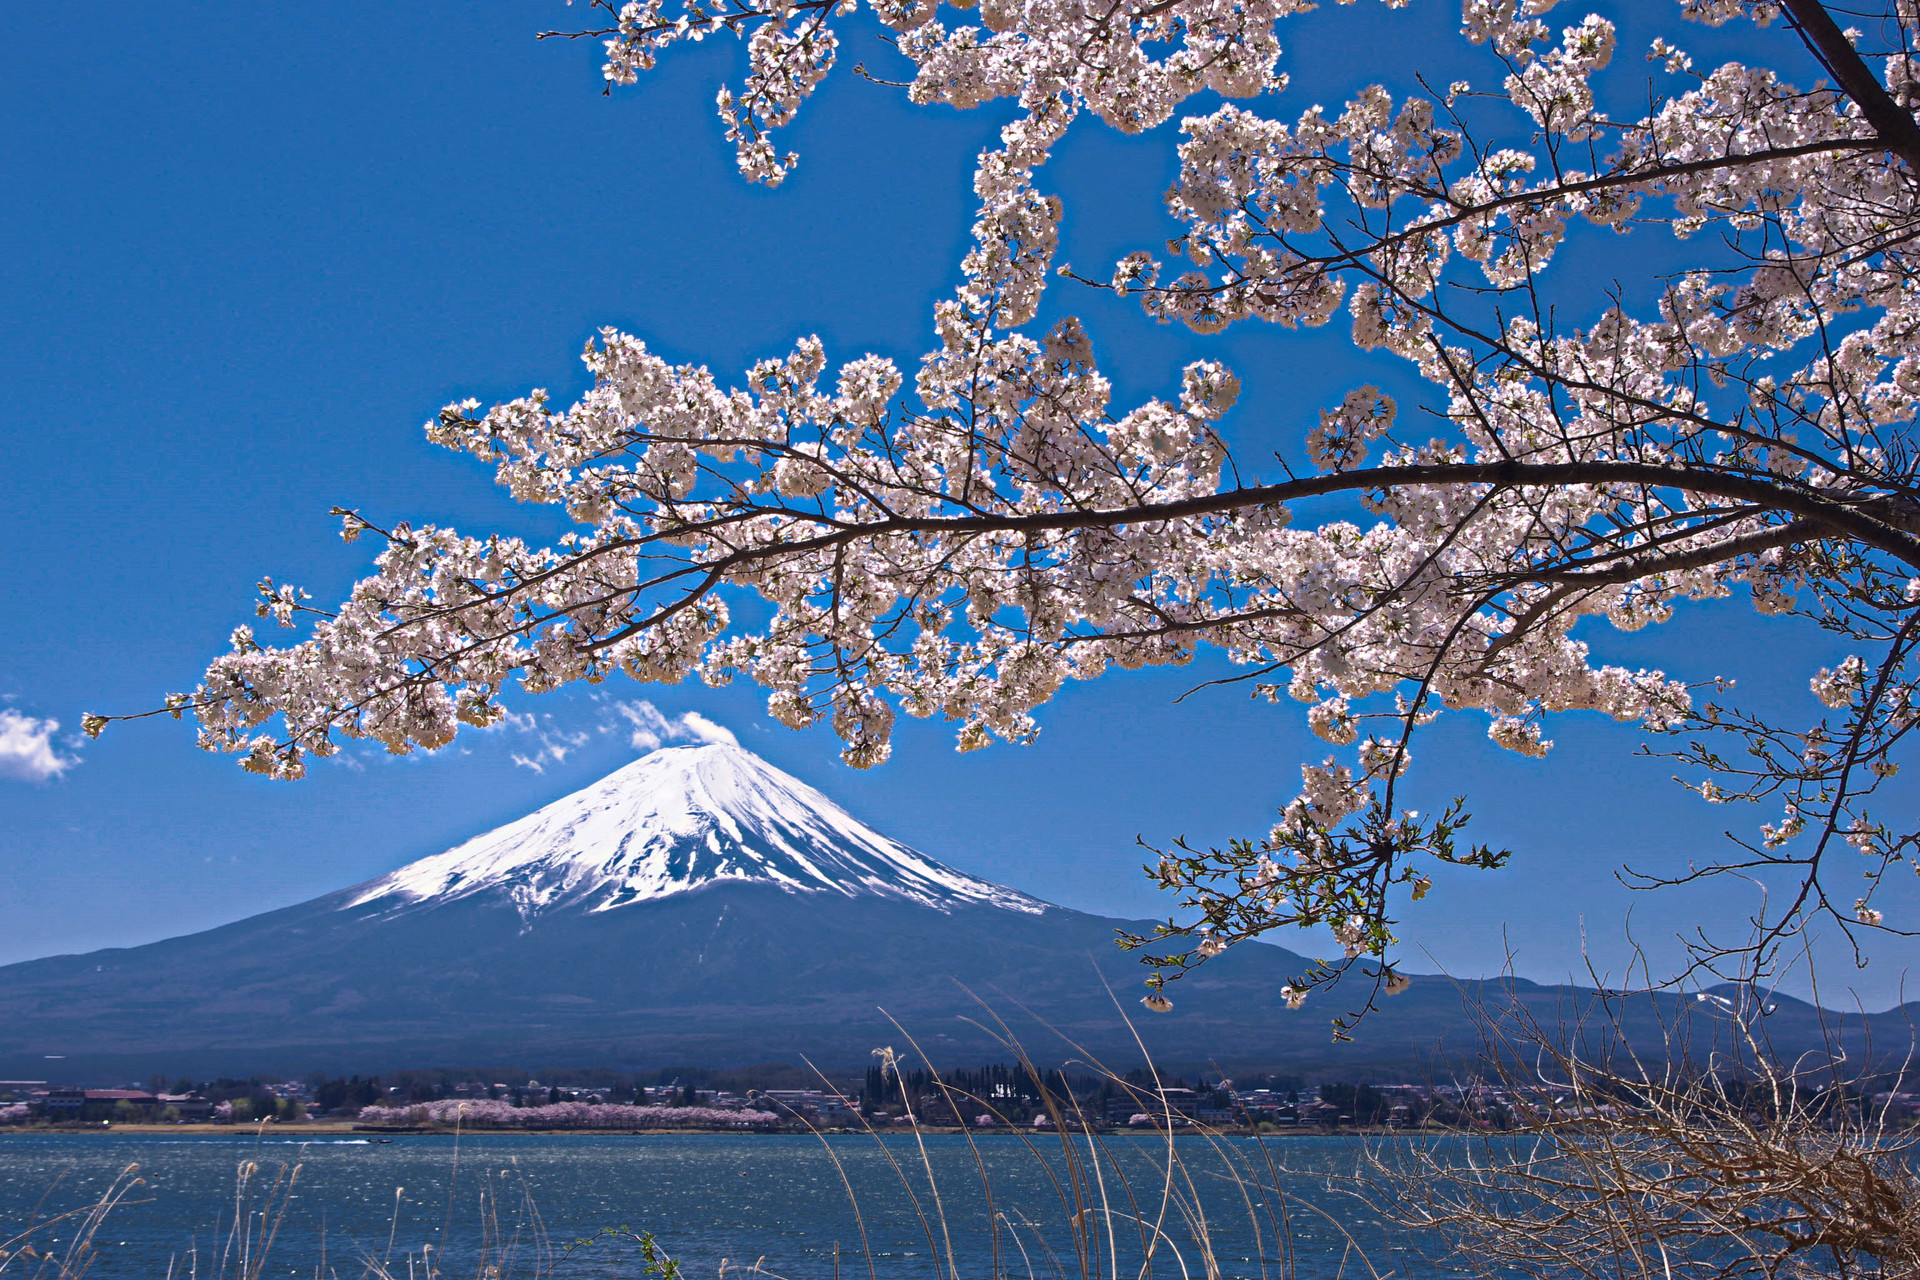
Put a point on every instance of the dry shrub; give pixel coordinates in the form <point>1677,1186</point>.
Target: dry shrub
<point>1716,1166</point>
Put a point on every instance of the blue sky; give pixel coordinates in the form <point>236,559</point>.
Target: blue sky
<point>248,257</point>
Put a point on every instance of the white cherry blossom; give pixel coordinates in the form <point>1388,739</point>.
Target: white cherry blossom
<point>959,539</point>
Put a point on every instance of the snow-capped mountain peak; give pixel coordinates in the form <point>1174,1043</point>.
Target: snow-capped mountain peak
<point>679,819</point>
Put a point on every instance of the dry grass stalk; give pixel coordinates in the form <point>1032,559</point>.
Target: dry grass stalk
<point>31,1255</point>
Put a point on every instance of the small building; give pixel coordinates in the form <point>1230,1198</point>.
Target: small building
<point>190,1107</point>
<point>89,1105</point>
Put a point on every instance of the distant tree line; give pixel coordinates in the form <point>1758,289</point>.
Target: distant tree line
<point>244,1101</point>
<point>1005,1092</point>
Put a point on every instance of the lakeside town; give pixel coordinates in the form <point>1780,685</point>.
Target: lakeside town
<point>995,1097</point>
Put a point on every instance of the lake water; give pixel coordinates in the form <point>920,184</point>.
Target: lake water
<point>714,1201</point>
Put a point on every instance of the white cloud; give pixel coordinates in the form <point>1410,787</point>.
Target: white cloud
<point>651,729</point>
<point>646,726</point>
<point>705,730</point>
<point>555,744</point>
<point>27,753</point>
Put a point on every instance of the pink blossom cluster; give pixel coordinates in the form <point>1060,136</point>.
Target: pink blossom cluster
<point>483,1113</point>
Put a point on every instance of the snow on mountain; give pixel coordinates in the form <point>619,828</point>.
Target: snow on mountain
<point>678,819</point>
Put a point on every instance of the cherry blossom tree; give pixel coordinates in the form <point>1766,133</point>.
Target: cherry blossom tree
<point>960,538</point>
<point>483,1113</point>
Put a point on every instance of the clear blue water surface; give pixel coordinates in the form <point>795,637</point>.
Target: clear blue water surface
<point>714,1201</point>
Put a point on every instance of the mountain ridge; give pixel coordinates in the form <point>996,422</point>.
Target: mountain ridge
<point>698,907</point>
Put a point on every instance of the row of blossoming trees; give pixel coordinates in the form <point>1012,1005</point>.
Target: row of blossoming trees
<point>489,1114</point>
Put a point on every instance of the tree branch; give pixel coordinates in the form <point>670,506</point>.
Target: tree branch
<point>1828,43</point>
<point>1848,519</point>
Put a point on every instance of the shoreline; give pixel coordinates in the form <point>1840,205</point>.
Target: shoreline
<point>343,1128</point>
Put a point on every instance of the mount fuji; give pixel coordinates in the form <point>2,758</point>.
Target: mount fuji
<point>677,821</point>
<point>696,908</point>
